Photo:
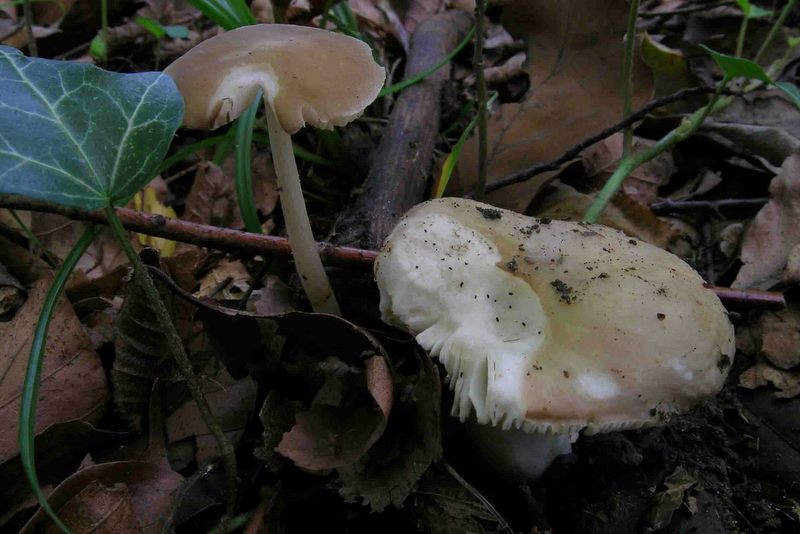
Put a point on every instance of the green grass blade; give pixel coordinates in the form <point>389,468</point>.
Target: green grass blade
<point>452,159</point>
<point>30,389</point>
<point>422,75</point>
<point>244,173</point>
<point>229,14</point>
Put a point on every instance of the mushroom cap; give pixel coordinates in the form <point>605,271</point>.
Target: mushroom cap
<point>308,75</point>
<point>552,326</point>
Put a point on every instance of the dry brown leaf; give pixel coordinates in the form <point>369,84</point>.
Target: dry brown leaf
<point>325,436</point>
<point>562,202</point>
<point>73,384</point>
<point>574,50</point>
<point>265,183</point>
<point>12,294</point>
<point>775,231</point>
<point>232,403</point>
<point>228,280</point>
<point>152,489</point>
<point>780,337</point>
<point>98,509</point>
<point>763,373</point>
<point>668,500</point>
<point>212,199</point>
<point>59,234</point>
<point>600,161</point>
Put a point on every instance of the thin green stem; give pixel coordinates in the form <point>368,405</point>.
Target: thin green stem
<point>775,29</point>
<point>480,85</point>
<point>175,347</point>
<point>422,75</point>
<point>632,162</point>
<point>27,15</point>
<point>742,34</point>
<point>30,388</point>
<point>627,76</point>
<point>244,173</point>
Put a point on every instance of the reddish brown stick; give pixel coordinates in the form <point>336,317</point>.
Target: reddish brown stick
<point>749,298</point>
<point>197,234</point>
<point>237,241</point>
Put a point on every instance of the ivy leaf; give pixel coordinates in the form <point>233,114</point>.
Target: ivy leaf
<point>734,67</point>
<point>77,135</point>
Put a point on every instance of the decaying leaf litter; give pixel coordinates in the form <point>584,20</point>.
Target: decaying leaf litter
<point>347,417</point>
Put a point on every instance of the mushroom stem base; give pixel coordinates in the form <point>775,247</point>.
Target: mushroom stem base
<point>514,454</point>
<point>298,229</point>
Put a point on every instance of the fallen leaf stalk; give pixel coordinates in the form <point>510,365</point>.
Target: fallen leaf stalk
<point>178,353</point>
<point>480,84</point>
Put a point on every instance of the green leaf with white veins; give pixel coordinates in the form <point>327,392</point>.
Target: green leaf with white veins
<point>77,135</point>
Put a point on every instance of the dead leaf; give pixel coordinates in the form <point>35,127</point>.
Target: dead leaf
<point>141,353</point>
<point>98,509</point>
<point>388,473</point>
<point>326,436</point>
<point>419,10</point>
<point>670,68</point>
<point>151,200</point>
<point>59,450</point>
<point>73,384</point>
<point>232,403</point>
<point>212,199</point>
<point>152,489</point>
<point>780,336</point>
<point>601,160</point>
<point>763,373</point>
<point>671,498</point>
<point>59,234</point>
<point>12,294</point>
<point>774,232</point>
<point>265,185</point>
<point>574,51</point>
<point>228,280</point>
<point>562,202</point>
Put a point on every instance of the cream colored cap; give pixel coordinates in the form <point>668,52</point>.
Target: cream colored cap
<point>308,75</point>
<point>553,326</point>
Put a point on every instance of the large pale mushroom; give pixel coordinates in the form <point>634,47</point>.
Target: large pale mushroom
<point>549,328</point>
<point>307,75</point>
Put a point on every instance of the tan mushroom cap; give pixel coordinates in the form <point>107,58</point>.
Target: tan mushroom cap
<point>308,75</point>
<point>553,326</point>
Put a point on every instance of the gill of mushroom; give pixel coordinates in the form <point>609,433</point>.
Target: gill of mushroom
<point>307,75</point>
<point>548,329</point>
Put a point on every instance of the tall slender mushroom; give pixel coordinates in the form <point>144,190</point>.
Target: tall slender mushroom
<point>307,75</point>
<point>550,328</point>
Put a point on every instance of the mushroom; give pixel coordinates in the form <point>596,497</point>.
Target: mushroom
<point>551,328</point>
<point>307,75</point>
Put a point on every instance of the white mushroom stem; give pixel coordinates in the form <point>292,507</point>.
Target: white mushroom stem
<point>298,228</point>
<point>514,454</point>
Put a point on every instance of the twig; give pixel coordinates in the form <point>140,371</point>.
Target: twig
<point>504,526</point>
<point>27,14</point>
<point>672,206</point>
<point>197,234</point>
<point>572,153</point>
<point>749,298</point>
<point>627,76</point>
<point>243,242</point>
<point>480,85</point>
